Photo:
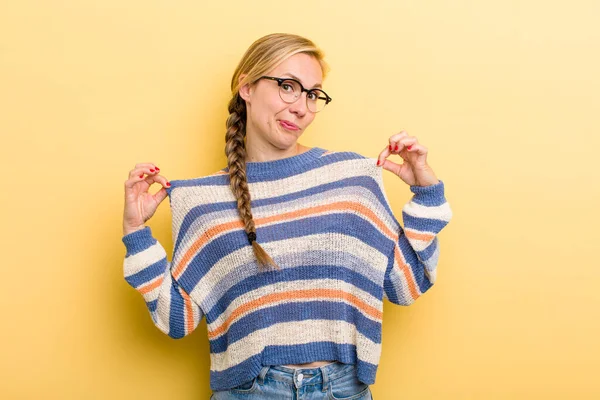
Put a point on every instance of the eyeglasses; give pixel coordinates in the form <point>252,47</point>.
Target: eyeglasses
<point>290,90</point>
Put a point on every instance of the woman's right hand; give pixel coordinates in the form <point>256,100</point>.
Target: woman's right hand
<point>140,205</point>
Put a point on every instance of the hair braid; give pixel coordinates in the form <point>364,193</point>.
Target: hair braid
<point>235,149</point>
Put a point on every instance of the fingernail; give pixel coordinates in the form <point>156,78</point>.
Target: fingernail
<point>151,170</point>
<point>390,146</point>
<point>409,147</point>
<point>158,169</point>
<point>396,147</point>
<point>142,175</point>
<point>168,184</point>
<point>377,162</point>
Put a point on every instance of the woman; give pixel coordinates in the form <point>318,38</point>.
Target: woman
<point>301,320</point>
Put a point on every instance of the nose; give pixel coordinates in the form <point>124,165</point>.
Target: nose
<point>300,107</point>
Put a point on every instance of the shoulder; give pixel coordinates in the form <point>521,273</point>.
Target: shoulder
<point>217,178</point>
<point>357,161</point>
<point>343,155</point>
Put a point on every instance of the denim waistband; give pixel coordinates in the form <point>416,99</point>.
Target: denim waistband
<point>306,376</point>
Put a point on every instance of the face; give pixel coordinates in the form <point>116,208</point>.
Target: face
<point>266,109</point>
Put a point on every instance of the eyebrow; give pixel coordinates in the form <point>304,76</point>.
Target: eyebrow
<point>318,85</point>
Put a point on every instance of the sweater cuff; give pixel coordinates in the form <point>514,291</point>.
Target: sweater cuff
<point>432,195</point>
<point>138,241</point>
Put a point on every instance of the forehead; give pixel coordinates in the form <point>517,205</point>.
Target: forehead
<point>303,68</point>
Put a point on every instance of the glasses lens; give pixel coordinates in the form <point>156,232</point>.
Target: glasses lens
<point>316,100</point>
<point>289,91</point>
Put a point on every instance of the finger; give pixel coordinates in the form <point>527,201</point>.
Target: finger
<point>150,179</point>
<point>404,142</point>
<point>148,164</point>
<point>417,148</point>
<point>383,155</point>
<point>158,179</point>
<point>150,170</point>
<point>145,166</point>
<point>131,182</point>
<point>395,138</point>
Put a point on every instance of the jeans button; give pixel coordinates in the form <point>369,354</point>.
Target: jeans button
<point>300,377</point>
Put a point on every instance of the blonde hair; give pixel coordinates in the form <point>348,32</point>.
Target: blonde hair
<point>262,56</point>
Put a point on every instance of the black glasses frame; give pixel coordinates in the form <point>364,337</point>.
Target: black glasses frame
<point>281,80</point>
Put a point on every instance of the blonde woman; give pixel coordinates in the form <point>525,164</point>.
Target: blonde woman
<point>289,251</point>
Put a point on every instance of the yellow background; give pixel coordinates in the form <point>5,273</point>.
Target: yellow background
<point>504,94</point>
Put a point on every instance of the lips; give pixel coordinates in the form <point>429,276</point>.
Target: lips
<point>288,125</point>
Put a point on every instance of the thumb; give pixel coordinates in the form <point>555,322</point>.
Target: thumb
<point>391,166</point>
<point>160,195</point>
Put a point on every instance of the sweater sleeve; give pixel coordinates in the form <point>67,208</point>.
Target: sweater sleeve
<point>147,270</point>
<point>413,259</point>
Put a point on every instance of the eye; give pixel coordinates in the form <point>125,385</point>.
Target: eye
<point>287,86</point>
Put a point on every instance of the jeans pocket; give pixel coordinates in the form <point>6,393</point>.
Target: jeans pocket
<point>246,387</point>
<point>348,387</point>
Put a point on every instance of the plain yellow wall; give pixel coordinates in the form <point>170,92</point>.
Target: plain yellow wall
<point>505,94</point>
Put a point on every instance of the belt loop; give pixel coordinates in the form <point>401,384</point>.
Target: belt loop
<point>323,369</point>
<point>262,374</point>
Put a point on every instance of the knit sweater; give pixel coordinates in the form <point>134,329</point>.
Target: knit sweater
<point>324,218</point>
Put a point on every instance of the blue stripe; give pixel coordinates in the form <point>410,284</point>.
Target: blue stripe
<point>423,224</point>
<point>297,311</point>
<point>275,174</point>
<point>176,316</point>
<point>390,289</point>
<point>147,274</point>
<point>236,375</point>
<point>152,305</point>
<point>138,241</point>
<point>432,195</point>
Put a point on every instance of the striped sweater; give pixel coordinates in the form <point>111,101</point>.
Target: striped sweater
<point>324,218</point>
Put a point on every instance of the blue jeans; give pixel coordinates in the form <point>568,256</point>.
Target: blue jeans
<point>334,381</point>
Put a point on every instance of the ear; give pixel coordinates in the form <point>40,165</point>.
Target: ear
<point>244,91</point>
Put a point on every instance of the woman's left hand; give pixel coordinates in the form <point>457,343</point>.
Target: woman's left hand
<point>414,171</point>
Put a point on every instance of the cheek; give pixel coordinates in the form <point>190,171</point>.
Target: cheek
<point>263,114</point>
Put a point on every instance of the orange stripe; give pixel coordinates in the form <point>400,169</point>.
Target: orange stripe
<point>426,237</point>
<point>237,224</point>
<point>295,294</point>
<point>201,241</point>
<point>151,286</point>
<point>405,270</point>
<point>189,312</point>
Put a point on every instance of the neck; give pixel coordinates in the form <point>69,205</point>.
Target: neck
<point>263,151</point>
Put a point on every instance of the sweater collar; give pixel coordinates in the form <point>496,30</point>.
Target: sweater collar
<point>256,168</point>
